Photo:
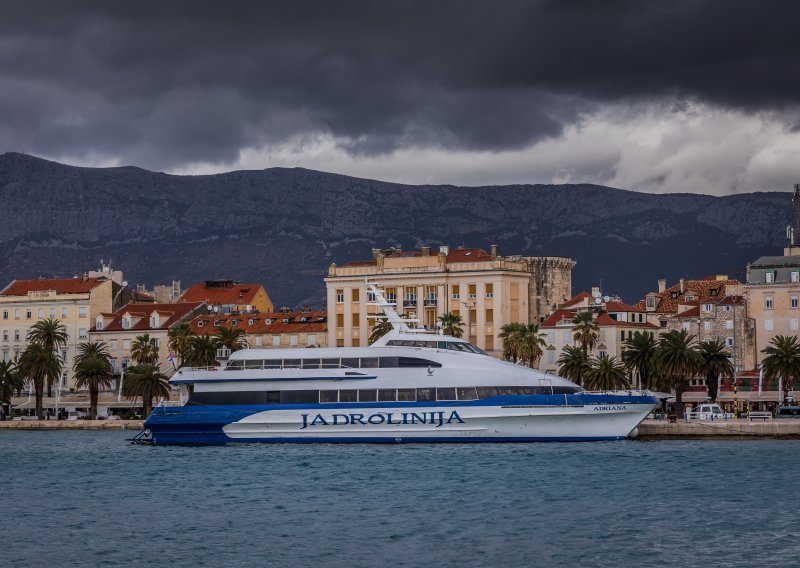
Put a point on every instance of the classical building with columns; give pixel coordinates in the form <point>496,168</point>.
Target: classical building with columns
<point>485,289</point>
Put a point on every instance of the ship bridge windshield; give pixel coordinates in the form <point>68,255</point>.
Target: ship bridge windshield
<point>449,345</point>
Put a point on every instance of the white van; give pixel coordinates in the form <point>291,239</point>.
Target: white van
<point>707,411</point>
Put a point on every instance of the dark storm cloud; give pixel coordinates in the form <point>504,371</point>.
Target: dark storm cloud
<point>164,84</point>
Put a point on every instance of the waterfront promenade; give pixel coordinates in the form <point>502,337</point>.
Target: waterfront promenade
<point>72,425</point>
<point>707,429</point>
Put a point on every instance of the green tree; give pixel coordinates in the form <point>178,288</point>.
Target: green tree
<point>146,382</point>
<point>531,344</point>
<point>782,360</point>
<point>39,364</point>
<point>93,371</point>
<point>677,359</point>
<point>178,337</point>
<point>606,373</point>
<point>715,363</point>
<point>585,330</point>
<point>573,364</point>
<point>381,328</point>
<point>452,324</point>
<point>52,335</point>
<point>639,356</point>
<point>511,335</point>
<point>144,350</point>
<point>202,351</point>
<point>10,382</point>
<point>232,338</point>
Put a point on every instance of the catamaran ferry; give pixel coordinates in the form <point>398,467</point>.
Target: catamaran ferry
<point>409,386</point>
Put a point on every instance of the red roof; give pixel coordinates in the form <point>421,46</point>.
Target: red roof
<point>557,317</point>
<point>60,285</point>
<point>235,294</point>
<point>617,306</point>
<point>453,255</point>
<point>316,321</point>
<point>704,291</point>
<point>169,314</point>
<point>576,299</point>
<point>603,319</point>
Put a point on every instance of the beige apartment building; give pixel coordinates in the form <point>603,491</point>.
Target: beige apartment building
<point>485,289</point>
<point>75,302</point>
<point>616,322</point>
<point>120,329</point>
<point>773,297</point>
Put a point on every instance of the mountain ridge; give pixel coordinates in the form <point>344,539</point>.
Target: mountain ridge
<point>283,226</point>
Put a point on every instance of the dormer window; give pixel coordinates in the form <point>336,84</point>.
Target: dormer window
<point>99,323</point>
<point>201,323</point>
<point>651,302</point>
<point>234,322</point>
<point>674,295</point>
<point>268,321</point>
<point>154,320</point>
<point>126,322</point>
<point>304,319</point>
<point>217,323</point>
<point>251,321</point>
<point>285,320</point>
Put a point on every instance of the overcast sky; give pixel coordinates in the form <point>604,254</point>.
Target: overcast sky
<point>655,96</point>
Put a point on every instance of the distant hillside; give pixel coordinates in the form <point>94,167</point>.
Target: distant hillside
<point>282,227</point>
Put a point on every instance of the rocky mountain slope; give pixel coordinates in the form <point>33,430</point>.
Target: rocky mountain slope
<point>282,227</point>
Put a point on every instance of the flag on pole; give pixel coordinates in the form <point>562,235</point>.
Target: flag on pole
<point>171,359</point>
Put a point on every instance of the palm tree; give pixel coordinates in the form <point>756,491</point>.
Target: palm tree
<point>10,382</point>
<point>452,324</point>
<point>233,338</point>
<point>585,330</point>
<point>531,344</point>
<point>677,359</point>
<point>573,364</point>
<point>510,336</point>
<point>39,364</point>
<point>715,364</point>
<point>93,371</point>
<point>144,350</point>
<point>381,328</point>
<point>179,336</point>
<point>52,335</point>
<point>606,373</point>
<point>148,382</point>
<point>202,351</point>
<point>782,360</point>
<point>639,356</point>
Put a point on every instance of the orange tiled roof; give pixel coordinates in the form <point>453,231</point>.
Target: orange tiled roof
<point>577,299</point>
<point>603,320</point>
<point>703,290</point>
<point>237,294</point>
<point>316,322</point>
<point>617,306</point>
<point>169,314</point>
<point>60,285</point>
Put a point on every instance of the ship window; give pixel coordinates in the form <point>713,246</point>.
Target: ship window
<point>426,394</point>
<point>446,394</point>
<point>509,391</point>
<point>467,393</point>
<point>291,363</point>
<point>311,363</point>
<point>253,364</point>
<point>387,395</point>
<point>406,395</point>
<point>369,362</point>
<point>487,392</point>
<point>235,366</point>
<point>273,397</point>
<point>299,397</point>
<point>352,363</point>
<point>348,396</point>
<point>272,364</point>
<point>328,396</point>
<point>367,395</point>
<point>330,363</point>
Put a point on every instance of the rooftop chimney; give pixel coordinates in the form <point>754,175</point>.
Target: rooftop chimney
<point>662,284</point>
<point>683,285</point>
<point>426,251</point>
<point>444,249</point>
<point>494,251</point>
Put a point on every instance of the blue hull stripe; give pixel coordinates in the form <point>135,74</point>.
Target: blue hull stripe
<point>211,439</point>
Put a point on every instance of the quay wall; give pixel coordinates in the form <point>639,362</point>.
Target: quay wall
<point>72,425</point>
<point>699,429</point>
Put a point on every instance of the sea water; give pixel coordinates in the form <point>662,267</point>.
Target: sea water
<point>89,498</point>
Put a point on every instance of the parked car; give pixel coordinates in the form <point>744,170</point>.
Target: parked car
<point>707,411</point>
<point>788,412</point>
